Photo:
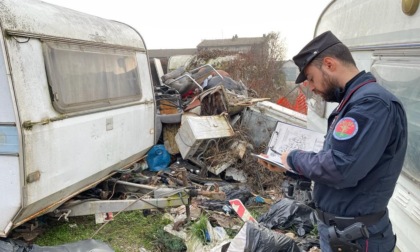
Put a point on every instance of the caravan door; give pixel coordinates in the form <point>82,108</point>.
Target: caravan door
<point>10,179</point>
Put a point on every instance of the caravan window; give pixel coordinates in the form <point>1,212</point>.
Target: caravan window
<point>401,75</point>
<point>84,77</point>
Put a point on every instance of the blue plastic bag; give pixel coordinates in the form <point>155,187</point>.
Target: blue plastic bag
<point>158,158</point>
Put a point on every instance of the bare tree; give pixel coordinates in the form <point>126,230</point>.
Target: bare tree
<point>259,68</point>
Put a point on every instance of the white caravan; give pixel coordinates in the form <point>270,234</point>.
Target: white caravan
<point>76,104</point>
<point>384,38</point>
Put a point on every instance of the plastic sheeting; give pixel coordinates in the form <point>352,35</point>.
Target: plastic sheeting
<point>287,213</point>
<point>90,245</point>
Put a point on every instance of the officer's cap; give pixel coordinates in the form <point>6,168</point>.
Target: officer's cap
<point>313,49</point>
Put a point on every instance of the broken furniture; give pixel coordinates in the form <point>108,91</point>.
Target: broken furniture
<point>197,131</point>
<point>184,81</point>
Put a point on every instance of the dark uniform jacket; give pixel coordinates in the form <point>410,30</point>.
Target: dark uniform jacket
<point>356,172</point>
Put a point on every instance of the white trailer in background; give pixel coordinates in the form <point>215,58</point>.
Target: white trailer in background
<point>384,38</point>
<point>76,104</point>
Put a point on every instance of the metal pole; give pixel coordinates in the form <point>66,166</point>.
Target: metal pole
<point>133,184</point>
<point>185,181</point>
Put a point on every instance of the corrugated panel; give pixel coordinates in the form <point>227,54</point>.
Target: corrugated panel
<point>401,197</point>
<point>416,213</point>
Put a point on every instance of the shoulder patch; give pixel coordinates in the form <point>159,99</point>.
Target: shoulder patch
<point>346,128</point>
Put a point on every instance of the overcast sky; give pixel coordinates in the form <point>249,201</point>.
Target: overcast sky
<point>169,24</point>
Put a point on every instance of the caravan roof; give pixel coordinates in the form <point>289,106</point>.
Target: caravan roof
<point>32,18</point>
<point>359,27</point>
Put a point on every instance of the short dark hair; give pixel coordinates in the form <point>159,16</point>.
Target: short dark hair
<point>338,51</point>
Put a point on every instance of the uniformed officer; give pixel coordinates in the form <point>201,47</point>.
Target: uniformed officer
<point>355,173</point>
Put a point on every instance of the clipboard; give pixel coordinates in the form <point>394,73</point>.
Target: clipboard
<point>269,160</point>
<point>287,137</point>
<point>273,162</point>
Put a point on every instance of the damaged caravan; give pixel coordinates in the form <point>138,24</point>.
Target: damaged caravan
<point>76,104</point>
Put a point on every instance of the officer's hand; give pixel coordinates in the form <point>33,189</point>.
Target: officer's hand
<point>269,166</point>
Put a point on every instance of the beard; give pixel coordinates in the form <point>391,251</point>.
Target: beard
<point>331,85</point>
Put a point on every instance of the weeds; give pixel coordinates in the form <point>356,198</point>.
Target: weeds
<point>127,232</point>
<point>199,229</point>
<point>167,242</point>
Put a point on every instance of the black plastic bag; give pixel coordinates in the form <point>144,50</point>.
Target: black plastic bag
<point>287,213</point>
<point>243,194</point>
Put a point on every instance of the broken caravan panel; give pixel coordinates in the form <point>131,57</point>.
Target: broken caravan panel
<point>386,42</point>
<point>76,102</point>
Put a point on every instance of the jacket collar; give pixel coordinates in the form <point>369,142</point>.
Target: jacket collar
<point>351,84</point>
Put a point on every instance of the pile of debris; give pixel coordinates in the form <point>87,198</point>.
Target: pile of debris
<point>207,128</point>
<point>205,122</point>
